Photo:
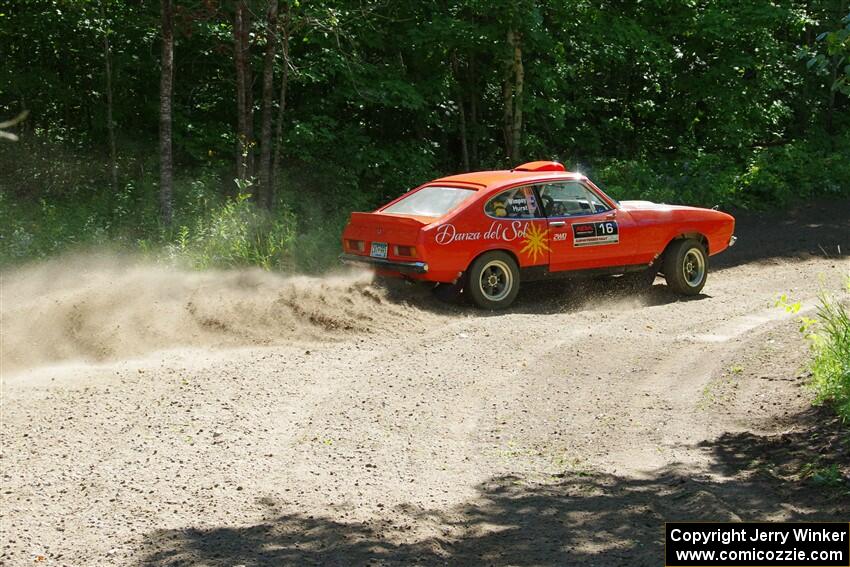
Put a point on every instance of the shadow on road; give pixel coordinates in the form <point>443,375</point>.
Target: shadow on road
<point>544,297</point>
<point>818,229</point>
<point>582,294</point>
<point>577,519</point>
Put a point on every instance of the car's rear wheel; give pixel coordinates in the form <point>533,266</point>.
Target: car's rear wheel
<point>493,280</point>
<point>686,266</point>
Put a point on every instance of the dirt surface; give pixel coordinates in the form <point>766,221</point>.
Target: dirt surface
<point>331,421</point>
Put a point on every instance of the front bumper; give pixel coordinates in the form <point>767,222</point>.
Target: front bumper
<point>384,264</point>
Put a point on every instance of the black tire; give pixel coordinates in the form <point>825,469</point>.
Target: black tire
<point>685,266</point>
<point>493,280</point>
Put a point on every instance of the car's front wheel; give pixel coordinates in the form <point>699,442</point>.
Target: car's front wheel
<point>493,280</point>
<point>686,266</point>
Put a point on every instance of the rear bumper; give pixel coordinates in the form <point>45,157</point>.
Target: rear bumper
<point>384,264</point>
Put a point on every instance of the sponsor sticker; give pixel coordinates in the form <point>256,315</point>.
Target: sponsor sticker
<point>595,233</point>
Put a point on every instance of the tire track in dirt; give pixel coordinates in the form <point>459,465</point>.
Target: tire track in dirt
<point>627,388</point>
<point>397,427</point>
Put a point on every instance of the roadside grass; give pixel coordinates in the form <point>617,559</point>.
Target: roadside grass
<point>828,476</point>
<point>828,333</point>
<point>210,229</point>
<point>236,233</point>
<point>831,346</point>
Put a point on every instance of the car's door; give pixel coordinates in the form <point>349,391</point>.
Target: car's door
<point>585,230</point>
<point>516,222</point>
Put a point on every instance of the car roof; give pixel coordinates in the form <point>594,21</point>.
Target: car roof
<point>501,178</point>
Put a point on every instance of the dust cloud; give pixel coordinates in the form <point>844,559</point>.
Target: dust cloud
<point>97,308</point>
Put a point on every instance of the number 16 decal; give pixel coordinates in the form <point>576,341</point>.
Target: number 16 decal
<point>596,233</point>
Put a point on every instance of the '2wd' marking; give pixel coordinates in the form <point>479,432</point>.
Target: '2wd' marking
<point>596,233</point>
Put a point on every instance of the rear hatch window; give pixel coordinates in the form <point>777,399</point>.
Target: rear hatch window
<point>430,202</point>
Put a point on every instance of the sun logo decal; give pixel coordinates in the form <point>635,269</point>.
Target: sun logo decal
<point>535,242</point>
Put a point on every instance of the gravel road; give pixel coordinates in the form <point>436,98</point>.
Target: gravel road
<point>157,417</point>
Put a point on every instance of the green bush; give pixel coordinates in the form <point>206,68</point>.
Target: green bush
<point>828,334</point>
<point>799,170</point>
<point>633,179</point>
<point>768,177</point>
<point>236,233</point>
<point>700,179</point>
<point>830,341</point>
<point>318,250</point>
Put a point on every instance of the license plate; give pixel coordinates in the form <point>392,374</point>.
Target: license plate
<point>379,250</point>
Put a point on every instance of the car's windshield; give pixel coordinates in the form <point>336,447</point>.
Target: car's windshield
<point>430,201</point>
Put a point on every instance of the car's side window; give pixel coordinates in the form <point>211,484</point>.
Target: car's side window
<point>570,198</point>
<point>516,203</point>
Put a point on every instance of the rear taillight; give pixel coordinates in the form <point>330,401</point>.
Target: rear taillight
<point>408,251</point>
<point>356,245</point>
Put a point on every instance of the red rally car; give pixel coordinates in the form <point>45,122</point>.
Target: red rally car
<point>486,231</point>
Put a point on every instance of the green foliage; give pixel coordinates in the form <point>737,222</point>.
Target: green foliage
<point>827,476</point>
<point>769,177</point>
<point>236,233</point>
<point>830,343</point>
<point>318,250</point>
<point>832,59</point>
<point>796,171</point>
<point>211,231</point>
<point>683,101</point>
<point>829,338</point>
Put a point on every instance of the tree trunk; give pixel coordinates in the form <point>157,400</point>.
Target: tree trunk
<point>249,92</point>
<point>110,124</point>
<point>166,167</point>
<point>473,113</point>
<point>508,109</point>
<point>519,83</point>
<point>458,88</point>
<point>830,108</point>
<point>242,140</point>
<point>512,98</point>
<point>266,188</point>
<point>284,84</point>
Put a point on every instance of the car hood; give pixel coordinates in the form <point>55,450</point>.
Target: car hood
<point>650,206</point>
